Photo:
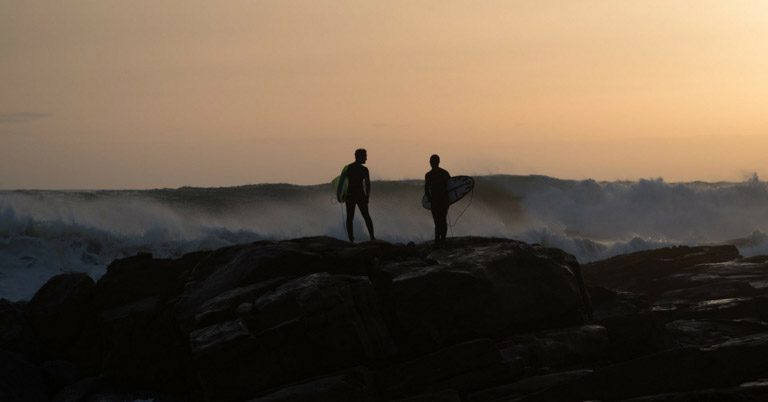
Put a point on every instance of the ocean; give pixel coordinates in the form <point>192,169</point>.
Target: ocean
<point>43,233</point>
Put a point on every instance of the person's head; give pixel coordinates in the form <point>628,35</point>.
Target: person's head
<point>361,155</point>
<point>434,160</point>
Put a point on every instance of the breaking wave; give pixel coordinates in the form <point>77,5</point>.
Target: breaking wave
<point>43,233</point>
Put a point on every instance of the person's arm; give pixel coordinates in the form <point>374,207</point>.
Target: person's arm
<point>426,187</point>
<point>340,185</point>
<point>367,180</point>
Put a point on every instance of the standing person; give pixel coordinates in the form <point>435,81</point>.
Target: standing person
<point>436,189</point>
<point>358,192</point>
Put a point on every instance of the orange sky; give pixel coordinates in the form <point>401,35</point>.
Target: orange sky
<point>139,94</point>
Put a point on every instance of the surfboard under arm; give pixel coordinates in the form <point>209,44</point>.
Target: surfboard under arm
<point>341,184</point>
<point>458,187</point>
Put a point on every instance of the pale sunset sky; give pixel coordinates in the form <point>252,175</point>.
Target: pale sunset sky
<point>142,94</point>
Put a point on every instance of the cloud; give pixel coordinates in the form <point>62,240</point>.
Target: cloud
<point>21,117</point>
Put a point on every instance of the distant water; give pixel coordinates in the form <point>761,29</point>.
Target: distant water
<point>43,233</point>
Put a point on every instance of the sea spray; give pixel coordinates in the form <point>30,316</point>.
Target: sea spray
<point>43,233</point>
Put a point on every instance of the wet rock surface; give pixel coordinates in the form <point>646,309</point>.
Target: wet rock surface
<point>319,319</point>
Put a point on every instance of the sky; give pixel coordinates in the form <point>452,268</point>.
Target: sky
<point>101,94</point>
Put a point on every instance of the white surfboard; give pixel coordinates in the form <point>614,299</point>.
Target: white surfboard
<point>458,187</point>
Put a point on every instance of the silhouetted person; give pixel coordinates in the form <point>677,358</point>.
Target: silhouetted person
<point>358,192</point>
<point>436,189</point>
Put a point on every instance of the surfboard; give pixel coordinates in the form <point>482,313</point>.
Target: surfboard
<point>458,187</point>
<point>341,184</point>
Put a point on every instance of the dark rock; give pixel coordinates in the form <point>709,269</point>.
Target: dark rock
<point>654,272</point>
<point>141,277</point>
<point>497,373</point>
<point>527,386</point>
<point>707,295</point>
<point>79,391</point>
<point>60,374</point>
<point>730,308</point>
<point>313,324</point>
<point>678,370</point>
<point>16,333</point>
<point>637,335</point>
<point>279,320</point>
<point>20,380</point>
<point>350,386</point>
<point>447,395</point>
<point>712,332</point>
<point>101,389</point>
<point>543,351</point>
<point>571,346</point>
<point>470,292</point>
<point>59,312</point>
<point>142,344</point>
<point>607,303</point>
<point>225,306</point>
<point>239,266</point>
<point>440,367</point>
<point>144,348</point>
<point>745,393</point>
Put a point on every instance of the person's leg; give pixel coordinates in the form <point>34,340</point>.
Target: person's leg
<point>440,216</point>
<point>368,222</point>
<point>436,219</point>
<point>444,223</point>
<point>350,219</point>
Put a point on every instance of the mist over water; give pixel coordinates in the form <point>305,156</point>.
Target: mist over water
<point>43,233</point>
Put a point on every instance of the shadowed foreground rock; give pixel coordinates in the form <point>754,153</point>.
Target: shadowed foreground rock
<point>318,319</point>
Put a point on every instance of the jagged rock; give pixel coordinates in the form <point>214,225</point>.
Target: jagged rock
<point>20,380</point>
<point>684,369</point>
<point>79,391</point>
<point>715,309</point>
<point>304,327</point>
<point>277,320</point>
<point>683,283</point>
<point>608,303</point>
<point>712,332</point>
<point>59,312</point>
<point>637,335</point>
<point>349,386</point>
<point>60,374</point>
<point>239,266</point>
<point>447,395</point>
<point>751,392</point>
<point>567,347</point>
<point>556,349</point>
<point>705,283</point>
<point>441,367</point>
<point>16,333</point>
<point>142,277</point>
<point>101,389</point>
<point>527,386</point>
<point>654,272</point>
<point>496,373</point>
<point>469,292</point>
<point>226,305</point>
<point>143,346</point>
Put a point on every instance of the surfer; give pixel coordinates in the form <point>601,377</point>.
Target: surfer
<point>436,191</point>
<point>358,191</point>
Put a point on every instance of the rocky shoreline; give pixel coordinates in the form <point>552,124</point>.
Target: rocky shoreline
<point>318,319</point>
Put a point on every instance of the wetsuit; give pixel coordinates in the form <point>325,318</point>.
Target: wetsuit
<point>436,188</point>
<point>358,191</point>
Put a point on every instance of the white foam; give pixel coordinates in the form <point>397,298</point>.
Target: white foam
<point>44,233</point>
